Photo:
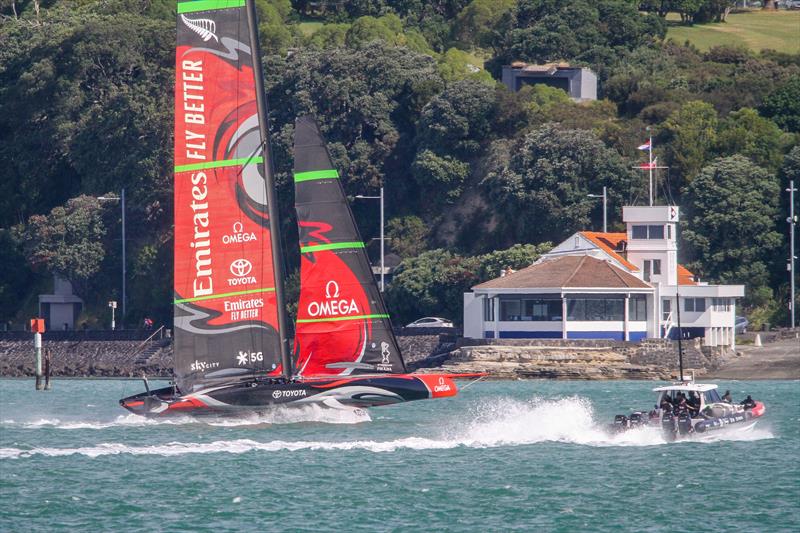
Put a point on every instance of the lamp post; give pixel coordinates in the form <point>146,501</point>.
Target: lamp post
<point>113,305</point>
<point>604,196</point>
<point>792,220</point>
<point>382,238</point>
<point>121,199</point>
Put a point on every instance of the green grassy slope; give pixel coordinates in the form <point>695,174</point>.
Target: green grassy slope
<point>756,29</point>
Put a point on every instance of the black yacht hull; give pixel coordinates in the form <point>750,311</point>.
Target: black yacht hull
<point>264,394</point>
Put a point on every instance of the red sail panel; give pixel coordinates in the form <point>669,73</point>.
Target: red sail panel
<point>342,324</point>
<point>225,305</point>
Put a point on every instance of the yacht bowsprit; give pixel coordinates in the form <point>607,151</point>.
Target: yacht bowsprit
<point>231,351</point>
<point>688,409</point>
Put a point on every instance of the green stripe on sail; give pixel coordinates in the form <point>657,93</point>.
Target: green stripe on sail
<point>208,5</point>
<point>338,318</point>
<point>224,295</point>
<point>331,246</point>
<point>315,175</point>
<point>218,164</point>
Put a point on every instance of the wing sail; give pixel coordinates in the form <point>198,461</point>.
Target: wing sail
<point>342,324</point>
<point>225,306</point>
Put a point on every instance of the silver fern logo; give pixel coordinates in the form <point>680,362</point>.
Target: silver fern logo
<point>205,28</point>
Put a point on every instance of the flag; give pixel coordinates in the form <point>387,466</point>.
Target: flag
<point>645,146</point>
<point>649,166</point>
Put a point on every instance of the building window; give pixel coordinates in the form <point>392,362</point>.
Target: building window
<point>531,309</point>
<point>655,232</point>
<point>669,231</point>
<point>698,305</point>
<point>510,310</point>
<point>488,309</point>
<point>666,310</point>
<point>639,232</point>
<point>721,304</point>
<point>577,242</point>
<point>637,308</point>
<point>596,309</point>
<point>656,267</point>
<point>646,269</point>
<point>647,232</point>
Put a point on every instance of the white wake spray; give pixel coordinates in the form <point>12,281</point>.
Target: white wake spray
<point>503,422</point>
<point>294,415</point>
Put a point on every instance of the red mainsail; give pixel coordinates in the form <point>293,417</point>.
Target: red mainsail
<point>225,305</point>
<point>342,324</point>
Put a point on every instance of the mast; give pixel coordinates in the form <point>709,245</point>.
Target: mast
<point>272,200</point>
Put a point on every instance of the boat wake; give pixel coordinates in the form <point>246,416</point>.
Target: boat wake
<point>294,415</point>
<point>500,423</point>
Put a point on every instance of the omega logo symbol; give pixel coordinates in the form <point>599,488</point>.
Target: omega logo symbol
<point>328,292</point>
<point>241,267</point>
<point>238,227</point>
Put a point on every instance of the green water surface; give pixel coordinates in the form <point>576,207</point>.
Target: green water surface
<point>502,456</point>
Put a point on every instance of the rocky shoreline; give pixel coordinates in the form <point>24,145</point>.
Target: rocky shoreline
<point>652,359</point>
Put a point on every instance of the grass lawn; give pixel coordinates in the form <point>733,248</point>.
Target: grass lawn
<point>778,30</point>
<point>308,28</point>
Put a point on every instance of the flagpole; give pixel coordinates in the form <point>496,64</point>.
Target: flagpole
<point>650,152</point>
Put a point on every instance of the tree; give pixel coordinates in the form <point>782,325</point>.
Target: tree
<point>690,134</point>
<point>441,177</point>
<point>545,30</point>
<point>745,132</point>
<point>476,22</point>
<point>730,228</point>
<point>67,242</point>
<point>458,120</point>
<point>329,36</point>
<point>367,101</point>
<point>389,29</point>
<point>783,105</point>
<point>542,189</point>
<point>517,257</point>
<point>85,107</point>
<point>434,282</point>
<point>407,235</point>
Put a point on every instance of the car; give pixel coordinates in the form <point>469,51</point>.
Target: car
<point>431,322</point>
<point>740,324</point>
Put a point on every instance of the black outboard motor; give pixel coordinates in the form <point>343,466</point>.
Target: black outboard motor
<point>684,423</point>
<point>638,419</point>
<point>621,423</point>
<point>669,424</point>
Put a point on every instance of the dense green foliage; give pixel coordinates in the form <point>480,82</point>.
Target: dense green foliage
<point>730,227</point>
<point>400,90</point>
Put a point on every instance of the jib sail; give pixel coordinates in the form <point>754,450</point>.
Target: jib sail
<point>342,325</point>
<point>225,305</point>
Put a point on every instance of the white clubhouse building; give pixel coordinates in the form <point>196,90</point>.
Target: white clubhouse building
<point>623,286</point>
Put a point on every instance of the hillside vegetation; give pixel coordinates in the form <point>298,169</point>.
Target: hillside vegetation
<point>477,178</point>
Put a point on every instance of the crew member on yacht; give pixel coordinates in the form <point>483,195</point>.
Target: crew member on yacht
<point>748,402</point>
<point>727,397</point>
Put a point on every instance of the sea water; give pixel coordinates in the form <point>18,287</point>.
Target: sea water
<point>502,456</point>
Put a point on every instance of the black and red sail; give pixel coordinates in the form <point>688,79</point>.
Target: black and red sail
<point>342,324</point>
<point>225,305</point>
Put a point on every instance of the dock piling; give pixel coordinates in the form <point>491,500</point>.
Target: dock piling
<point>37,346</point>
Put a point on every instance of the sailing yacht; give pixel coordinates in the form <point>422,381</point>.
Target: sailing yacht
<point>231,352</point>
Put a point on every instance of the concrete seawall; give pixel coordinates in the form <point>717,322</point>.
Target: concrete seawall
<point>89,358</point>
<point>501,358</point>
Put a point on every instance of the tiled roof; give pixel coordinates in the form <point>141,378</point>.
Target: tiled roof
<point>567,271</point>
<point>610,243</point>
<point>685,277</point>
